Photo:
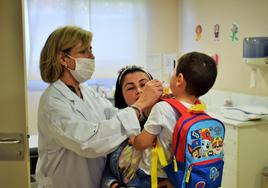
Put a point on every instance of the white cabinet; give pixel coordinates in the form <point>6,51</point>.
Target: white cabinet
<point>245,154</point>
<point>230,157</point>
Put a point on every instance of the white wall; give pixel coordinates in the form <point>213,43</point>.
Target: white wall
<point>171,25</point>
<point>162,37</point>
<point>162,20</point>
<point>251,16</point>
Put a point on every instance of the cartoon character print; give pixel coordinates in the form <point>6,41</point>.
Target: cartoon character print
<point>217,130</point>
<point>207,139</point>
<point>217,144</point>
<point>200,184</point>
<point>195,148</point>
<point>195,135</point>
<point>214,173</point>
<point>206,134</point>
<point>205,142</point>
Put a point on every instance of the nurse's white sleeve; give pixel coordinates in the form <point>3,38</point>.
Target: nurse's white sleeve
<point>58,120</point>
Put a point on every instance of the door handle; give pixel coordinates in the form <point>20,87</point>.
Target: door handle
<point>12,146</point>
<point>9,141</point>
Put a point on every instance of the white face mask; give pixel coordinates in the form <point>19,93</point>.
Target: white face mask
<point>84,68</point>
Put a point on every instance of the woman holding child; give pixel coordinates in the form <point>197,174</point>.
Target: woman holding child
<point>122,165</point>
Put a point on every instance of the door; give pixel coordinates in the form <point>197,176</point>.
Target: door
<point>14,160</point>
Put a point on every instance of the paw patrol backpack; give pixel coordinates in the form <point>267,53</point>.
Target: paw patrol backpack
<point>197,148</point>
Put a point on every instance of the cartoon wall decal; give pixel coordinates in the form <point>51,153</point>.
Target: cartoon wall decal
<point>216,58</point>
<point>216,32</point>
<point>234,30</point>
<point>198,31</point>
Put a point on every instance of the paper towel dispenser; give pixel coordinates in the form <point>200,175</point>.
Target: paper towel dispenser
<point>255,51</point>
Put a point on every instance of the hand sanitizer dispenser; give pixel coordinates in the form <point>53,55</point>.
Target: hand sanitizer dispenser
<point>255,54</point>
<point>255,51</point>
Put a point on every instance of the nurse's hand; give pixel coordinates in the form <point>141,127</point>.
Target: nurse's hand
<point>150,95</point>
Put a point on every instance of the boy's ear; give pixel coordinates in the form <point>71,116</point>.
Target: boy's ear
<point>180,79</point>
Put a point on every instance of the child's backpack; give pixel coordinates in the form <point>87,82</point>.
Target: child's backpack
<point>197,147</point>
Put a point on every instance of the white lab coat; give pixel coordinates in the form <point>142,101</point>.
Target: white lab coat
<point>75,135</point>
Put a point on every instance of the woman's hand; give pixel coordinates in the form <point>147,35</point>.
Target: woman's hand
<point>150,95</point>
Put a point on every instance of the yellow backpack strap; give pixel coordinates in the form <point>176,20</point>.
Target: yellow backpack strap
<point>154,160</point>
<point>157,153</point>
<point>161,155</point>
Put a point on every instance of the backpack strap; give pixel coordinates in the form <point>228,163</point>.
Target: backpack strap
<point>195,109</point>
<point>176,104</point>
<point>157,154</point>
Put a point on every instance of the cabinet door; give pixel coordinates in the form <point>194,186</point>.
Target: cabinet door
<point>230,157</point>
<point>252,154</point>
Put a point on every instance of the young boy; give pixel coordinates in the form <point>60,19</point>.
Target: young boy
<point>194,75</point>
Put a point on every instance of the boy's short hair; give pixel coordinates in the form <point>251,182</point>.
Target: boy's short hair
<point>200,72</point>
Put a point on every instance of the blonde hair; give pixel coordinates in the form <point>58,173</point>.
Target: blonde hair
<point>61,40</point>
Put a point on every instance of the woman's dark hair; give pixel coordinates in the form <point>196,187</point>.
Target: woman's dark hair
<point>119,100</point>
<point>200,72</point>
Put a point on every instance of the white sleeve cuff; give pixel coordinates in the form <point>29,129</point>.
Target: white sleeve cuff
<point>129,121</point>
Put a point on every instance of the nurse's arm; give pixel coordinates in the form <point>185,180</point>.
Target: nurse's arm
<point>82,136</point>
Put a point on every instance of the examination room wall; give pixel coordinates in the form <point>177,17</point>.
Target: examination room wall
<point>162,26</point>
<point>251,17</point>
<point>171,29</point>
<point>162,37</point>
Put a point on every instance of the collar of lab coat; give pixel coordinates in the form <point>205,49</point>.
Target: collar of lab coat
<point>70,95</point>
<point>64,90</point>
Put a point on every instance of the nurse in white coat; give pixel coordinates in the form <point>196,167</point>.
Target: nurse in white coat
<point>77,127</point>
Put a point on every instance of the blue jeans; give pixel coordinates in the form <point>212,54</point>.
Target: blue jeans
<point>141,180</point>
<point>112,172</point>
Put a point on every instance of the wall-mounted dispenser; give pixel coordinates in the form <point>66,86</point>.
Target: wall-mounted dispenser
<point>255,51</point>
<point>255,54</point>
